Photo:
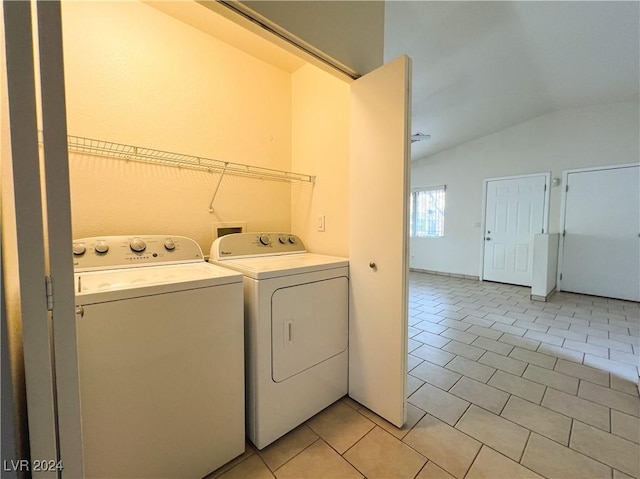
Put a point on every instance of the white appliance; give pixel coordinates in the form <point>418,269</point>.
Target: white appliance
<point>296,329</point>
<point>161,361</point>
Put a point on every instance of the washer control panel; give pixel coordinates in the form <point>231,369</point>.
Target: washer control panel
<point>111,252</point>
<point>255,244</point>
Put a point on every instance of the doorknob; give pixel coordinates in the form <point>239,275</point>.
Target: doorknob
<point>372,265</point>
<point>487,239</point>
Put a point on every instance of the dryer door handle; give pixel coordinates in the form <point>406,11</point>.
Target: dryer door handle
<point>288,333</point>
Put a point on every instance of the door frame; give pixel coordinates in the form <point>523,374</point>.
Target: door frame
<point>27,293</point>
<point>545,214</point>
<point>563,207</point>
<point>43,233</point>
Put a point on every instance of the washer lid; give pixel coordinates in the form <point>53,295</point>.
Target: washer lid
<point>264,267</point>
<point>117,284</point>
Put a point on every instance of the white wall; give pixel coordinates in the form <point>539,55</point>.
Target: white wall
<point>573,138</point>
<point>134,75</point>
<point>545,264</point>
<point>321,147</point>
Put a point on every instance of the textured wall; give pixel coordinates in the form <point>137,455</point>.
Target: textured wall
<point>134,75</point>
<point>321,145</point>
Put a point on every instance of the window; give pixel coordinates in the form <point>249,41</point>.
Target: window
<point>426,209</point>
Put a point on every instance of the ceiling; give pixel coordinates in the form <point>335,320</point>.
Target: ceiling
<point>481,67</point>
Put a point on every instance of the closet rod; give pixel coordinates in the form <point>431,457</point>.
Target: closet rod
<point>79,144</point>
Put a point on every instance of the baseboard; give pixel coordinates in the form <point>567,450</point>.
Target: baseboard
<point>442,273</point>
<point>535,297</point>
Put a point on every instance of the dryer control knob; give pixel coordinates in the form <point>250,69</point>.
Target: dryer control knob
<point>169,245</point>
<point>282,239</point>
<point>292,239</point>
<point>265,240</point>
<point>137,245</point>
<point>79,249</point>
<point>101,247</point>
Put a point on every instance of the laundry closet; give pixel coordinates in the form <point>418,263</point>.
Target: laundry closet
<point>138,77</point>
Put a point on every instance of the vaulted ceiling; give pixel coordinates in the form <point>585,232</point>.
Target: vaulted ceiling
<point>480,67</point>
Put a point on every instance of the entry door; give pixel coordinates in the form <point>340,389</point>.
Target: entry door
<point>514,212</point>
<point>601,243</point>
<point>378,239</point>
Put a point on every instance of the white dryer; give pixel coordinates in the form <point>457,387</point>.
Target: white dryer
<point>296,329</point>
<point>160,357</point>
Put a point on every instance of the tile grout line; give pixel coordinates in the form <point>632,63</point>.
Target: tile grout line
<point>460,419</point>
<point>297,454</point>
<point>525,448</point>
<point>571,434</point>
<point>592,458</point>
<point>358,441</point>
<point>265,464</point>
<point>474,460</point>
<point>556,358</point>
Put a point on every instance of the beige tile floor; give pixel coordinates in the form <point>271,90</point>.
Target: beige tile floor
<point>499,387</point>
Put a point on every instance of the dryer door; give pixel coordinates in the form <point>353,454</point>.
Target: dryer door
<point>309,324</point>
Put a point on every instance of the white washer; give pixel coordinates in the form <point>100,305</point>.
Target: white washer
<point>160,357</point>
<point>296,329</point>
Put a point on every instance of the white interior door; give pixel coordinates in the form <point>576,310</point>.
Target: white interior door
<point>378,244</point>
<point>514,212</point>
<point>601,242</point>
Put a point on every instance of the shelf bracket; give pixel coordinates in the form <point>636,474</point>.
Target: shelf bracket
<point>215,192</point>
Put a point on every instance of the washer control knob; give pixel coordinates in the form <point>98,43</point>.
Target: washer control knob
<point>79,249</point>
<point>101,247</point>
<point>169,245</point>
<point>137,245</point>
<point>292,239</point>
<point>282,239</point>
<point>265,240</point>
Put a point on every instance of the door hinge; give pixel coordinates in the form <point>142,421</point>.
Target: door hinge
<point>49,290</point>
<point>566,188</point>
<point>564,233</point>
<point>545,187</point>
<point>542,230</point>
<point>560,276</point>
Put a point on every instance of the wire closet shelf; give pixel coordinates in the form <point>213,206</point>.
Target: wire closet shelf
<point>89,146</point>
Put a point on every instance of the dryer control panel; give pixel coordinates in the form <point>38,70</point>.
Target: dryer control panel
<point>255,244</point>
<point>111,252</point>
